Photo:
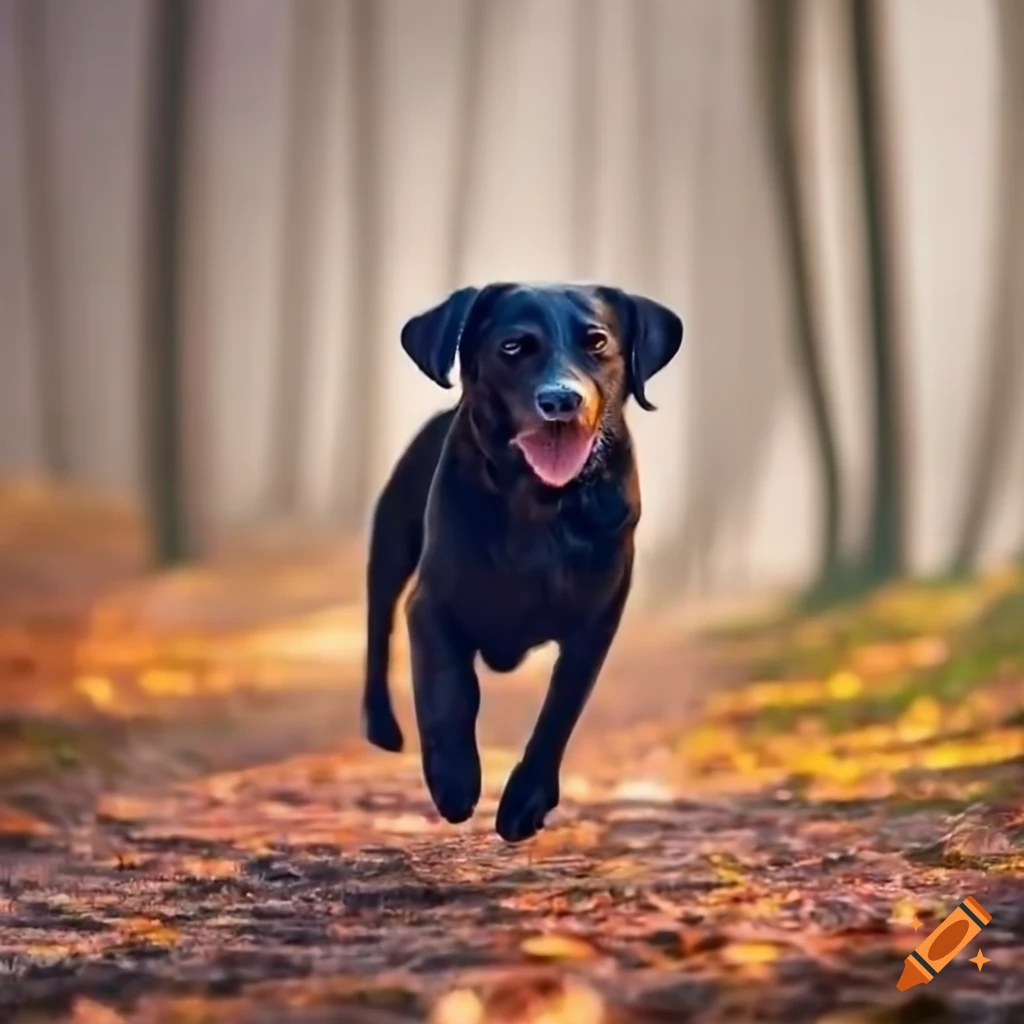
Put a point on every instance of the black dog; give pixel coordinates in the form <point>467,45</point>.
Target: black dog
<point>516,509</point>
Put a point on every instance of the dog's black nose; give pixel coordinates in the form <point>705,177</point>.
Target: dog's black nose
<point>558,403</point>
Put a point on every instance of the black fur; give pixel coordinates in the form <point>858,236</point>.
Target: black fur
<point>504,562</point>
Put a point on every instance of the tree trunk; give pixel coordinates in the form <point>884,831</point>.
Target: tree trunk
<point>883,556</point>
<point>358,427</point>
<point>162,362</point>
<point>778,38</point>
<point>44,271</point>
<point>1001,388</point>
<point>305,154</point>
<point>467,140</point>
<point>585,139</point>
<point>648,226</point>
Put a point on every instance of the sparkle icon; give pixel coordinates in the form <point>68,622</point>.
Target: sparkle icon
<point>980,960</point>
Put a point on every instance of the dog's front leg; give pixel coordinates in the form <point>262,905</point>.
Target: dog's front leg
<point>532,789</point>
<point>447,698</point>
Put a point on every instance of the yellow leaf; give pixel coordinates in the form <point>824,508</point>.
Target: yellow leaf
<point>460,1006</point>
<point>727,868</point>
<point>98,690</point>
<point>904,912</point>
<point>751,953</point>
<point>558,947</point>
<point>921,721</point>
<point>168,682</point>
<point>844,686</point>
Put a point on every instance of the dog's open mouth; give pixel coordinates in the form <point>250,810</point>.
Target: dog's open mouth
<point>556,452</point>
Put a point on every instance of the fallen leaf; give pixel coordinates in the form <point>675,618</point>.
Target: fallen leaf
<point>209,867</point>
<point>844,685</point>
<point>642,791</point>
<point>751,952</point>
<point>558,947</point>
<point>149,930</point>
<point>460,1006</point>
<point>98,690</point>
<point>543,1001</point>
<point>16,823</point>
<point>85,1011</point>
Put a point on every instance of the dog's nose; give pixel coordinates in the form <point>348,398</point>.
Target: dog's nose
<point>558,403</point>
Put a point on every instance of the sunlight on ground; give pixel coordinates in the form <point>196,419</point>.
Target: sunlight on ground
<point>913,682</point>
<point>890,715</point>
<point>88,622</point>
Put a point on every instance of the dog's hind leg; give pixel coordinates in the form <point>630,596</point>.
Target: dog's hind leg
<point>395,541</point>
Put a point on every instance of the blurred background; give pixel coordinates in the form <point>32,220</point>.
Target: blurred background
<point>217,214</point>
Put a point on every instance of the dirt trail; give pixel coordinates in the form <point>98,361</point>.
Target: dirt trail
<point>322,887</point>
<point>213,841</point>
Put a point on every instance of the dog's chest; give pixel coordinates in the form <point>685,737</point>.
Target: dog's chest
<point>551,558</point>
<point>560,544</point>
<point>541,593</point>
<point>545,575</point>
<point>517,574</point>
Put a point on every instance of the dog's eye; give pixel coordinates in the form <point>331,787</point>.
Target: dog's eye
<point>512,346</point>
<point>597,341</point>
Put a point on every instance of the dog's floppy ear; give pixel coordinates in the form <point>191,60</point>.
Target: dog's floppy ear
<point>432,339</point>
<point>651,333</point>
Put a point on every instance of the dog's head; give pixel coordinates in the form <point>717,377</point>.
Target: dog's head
<point>547,369</point>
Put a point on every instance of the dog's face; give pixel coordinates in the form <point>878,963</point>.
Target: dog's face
<point>548,368</point>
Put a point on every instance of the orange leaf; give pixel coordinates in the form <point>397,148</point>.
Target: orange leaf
<point>558,947</point>
<point>85,1011</point>
<point>751,953</point>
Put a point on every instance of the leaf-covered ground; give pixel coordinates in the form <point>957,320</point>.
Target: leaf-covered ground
<point>193,830</point>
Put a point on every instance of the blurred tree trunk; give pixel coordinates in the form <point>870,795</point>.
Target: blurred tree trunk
<point>467,138</point>
<point>162,357</point>
<point>778,41</point>
<point>310,73</point>
<point>44,271</point>
<point>883,556</point>
<point>585,139</point>
<point>358,427</point>
<point>1001,388</point>
<point>648,224</point>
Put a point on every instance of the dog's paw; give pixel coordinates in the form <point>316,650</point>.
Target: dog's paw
<point>382,729</point>
<point>531,793</point>
<point>453,778</point>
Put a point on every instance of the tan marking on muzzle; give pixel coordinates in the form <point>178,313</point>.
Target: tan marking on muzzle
<point>590,414</point>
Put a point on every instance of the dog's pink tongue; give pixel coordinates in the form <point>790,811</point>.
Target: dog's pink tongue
<point>557,453</point>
